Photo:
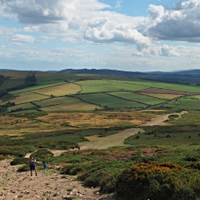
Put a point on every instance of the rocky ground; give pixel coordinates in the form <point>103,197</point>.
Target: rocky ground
<point>49,186</point>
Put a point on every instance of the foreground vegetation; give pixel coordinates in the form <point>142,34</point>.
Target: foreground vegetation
<point>43,112</point>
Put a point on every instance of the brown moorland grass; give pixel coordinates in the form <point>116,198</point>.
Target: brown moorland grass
<point>99,119</point>
<point>165,91</point>
<point>163,96</point>
<point>25,97</point>
<point>66,89</point>
<point>15,75</point>
<point>46,74</point>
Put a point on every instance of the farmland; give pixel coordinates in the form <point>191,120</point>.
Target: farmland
<point>108,86</point>
<point>138,98</point>
<point>58,111</point>
<point>66,89</point>
<point>25,97</point>
<point>163,96</point>
<point>109,101</point>
<point>94,92</point>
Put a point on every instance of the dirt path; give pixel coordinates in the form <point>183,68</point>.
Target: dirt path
<point>163,118</point>
<point>118,139</point>
<point>51,186</point>
<point>109,141</point>
<point>96,142</point>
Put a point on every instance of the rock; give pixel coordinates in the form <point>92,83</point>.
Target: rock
<point>67,197</point>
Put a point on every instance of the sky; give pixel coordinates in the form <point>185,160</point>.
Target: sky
<point>129,35</point>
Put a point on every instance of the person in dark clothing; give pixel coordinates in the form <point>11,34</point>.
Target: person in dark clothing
<point>32,162</point>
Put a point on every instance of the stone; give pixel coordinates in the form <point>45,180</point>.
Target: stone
<point>67,197</point>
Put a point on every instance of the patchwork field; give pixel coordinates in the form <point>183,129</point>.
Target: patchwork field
<point>21,106</point>
<point>138,98</point>
<point>37,87</point>
<point>186,103</point>
<point>108,85</point>
<point>109,100</point>
<point>64,104</point>
<point>166,91</point>
<point>26,97</point>
<point>163,96</point>
<point>61,90</point>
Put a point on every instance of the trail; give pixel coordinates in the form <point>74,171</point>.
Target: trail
<point>53,185</point>
<point>96,142</point>
<point>118,139</point>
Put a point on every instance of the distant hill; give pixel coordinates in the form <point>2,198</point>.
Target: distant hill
<point>189,77</point>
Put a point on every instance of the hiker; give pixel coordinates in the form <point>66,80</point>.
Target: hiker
<point>58,168</point>
<point>20,155</point>
<point>79,148</point>
<point>45,166</point>
<point>74,147</point>
<point>32,162</point>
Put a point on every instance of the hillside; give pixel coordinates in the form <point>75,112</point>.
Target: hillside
<point>41,91</point>
<point>119,123</point>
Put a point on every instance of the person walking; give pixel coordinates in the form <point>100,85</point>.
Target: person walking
<point>32,162</point>
<point>45,166</point>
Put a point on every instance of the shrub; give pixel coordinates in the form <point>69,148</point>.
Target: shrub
<point>24,168</point>
<point>18,161</point>
<point>158,181</point>
<point>2,157</point>
<point>42,154</point>
<point>191,156</point>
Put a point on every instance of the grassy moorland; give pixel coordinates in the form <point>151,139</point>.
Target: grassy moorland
<point>49,112</point>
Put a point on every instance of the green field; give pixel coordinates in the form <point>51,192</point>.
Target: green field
<point>186,103</point>
<point>168,86</point>
<point>108,100</point>
<point>108,85</point>
<point>138,97</point>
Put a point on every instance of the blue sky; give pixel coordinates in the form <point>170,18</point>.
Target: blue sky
<point>139,35</point>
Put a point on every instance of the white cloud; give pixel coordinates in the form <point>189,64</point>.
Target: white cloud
<point>179,23</point>
<point>18,38</point>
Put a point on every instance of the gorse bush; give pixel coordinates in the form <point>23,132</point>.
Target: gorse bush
<point>157,181</point>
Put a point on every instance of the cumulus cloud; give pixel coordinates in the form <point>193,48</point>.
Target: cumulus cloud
<point>181,22</point>
<point>76,20</point>
<point>154,50</point>
<point>86,20</point>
